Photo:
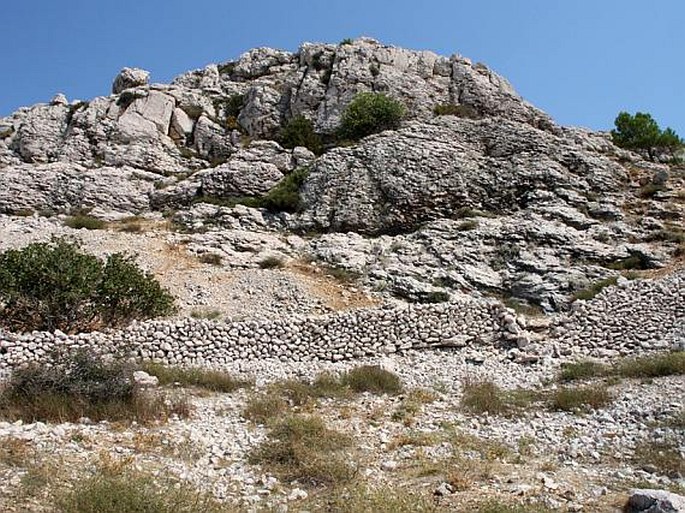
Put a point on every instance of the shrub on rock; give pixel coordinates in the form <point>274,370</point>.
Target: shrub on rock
<point>49,286</point>
<point>370,113</point>
<point>299,131</point>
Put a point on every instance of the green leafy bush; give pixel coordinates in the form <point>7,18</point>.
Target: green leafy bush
<point>299,131</point>
<point>285,196</point>
<point>84,221</point>
<point>641,132</point>
<point>48,286</point>
<point>369,113</point>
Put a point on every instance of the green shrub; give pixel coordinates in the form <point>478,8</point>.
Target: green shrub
<point>285,196</point>
<point>81,385</point>
<point>263,408</point>
<point>641,132</point>
<point>346,41</point>
<point>299,131</point>
<point>369,113</point>
<point>372,378</point>
<point>486,397</point>
<point>48,286</point>
<point>84,221</point>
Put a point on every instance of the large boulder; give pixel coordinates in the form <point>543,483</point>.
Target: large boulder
<point>654,501</point>
<point>394,181</point>
<point>129,78</point>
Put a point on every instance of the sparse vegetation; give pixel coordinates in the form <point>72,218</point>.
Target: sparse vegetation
<point>580,398</point>
<point>271,262</point>
<point>581,370</point>
<point>461,111</point>
<point>346,41</point>
<point>469,225</point>
<point>285,196</point>
<point>372,378</point>
<point>302,448</point>
<point>664,455</point>
<point>646,367</point>
<point>84,221</point>
<point>209,314</point>
<point>210,258</point>
<point>594,289</point>
<point>655,366</point>
<point>486,397</point>
<point>82,385</point>
<point>263,408</point>
<point>361,499</point>
<point>212,380</point>
<point>369,113</point>
<point>48,286</point>
<point>127,491</point>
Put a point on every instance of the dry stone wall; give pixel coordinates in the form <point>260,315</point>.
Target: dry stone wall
<point>332,337</point>
<point>632,317</point>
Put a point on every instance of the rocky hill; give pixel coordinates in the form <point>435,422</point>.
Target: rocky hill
<point>476,240</point>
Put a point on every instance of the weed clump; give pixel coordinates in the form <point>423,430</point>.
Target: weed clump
<point>84,221</point>
<point>302,448</point>
<point>82,385</point>
<point>211,380</point>
<point>374,379</point>
<point>581,398</point>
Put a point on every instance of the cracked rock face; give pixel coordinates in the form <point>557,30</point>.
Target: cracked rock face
<point>506,203</point>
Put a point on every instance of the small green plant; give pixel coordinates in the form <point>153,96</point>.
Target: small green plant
<point>580,398</point>
<point>461,111</point>
<point>594,289</point>
<point>271,262</point>
<point>369,113</point>
<point>341,274</point>
<point>372,378</point>
<point>48,286</point>
<point>630,263</point>
<point>302,448</point>
<point>226,68</point>
<point>299,131</point>
<point>485,396</point>
<point>346,41</point>
<point>212,380</point>
<point>84,221</point>
<point>80,385</point>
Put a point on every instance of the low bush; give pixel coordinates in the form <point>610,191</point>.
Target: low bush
<point>486,397</point>
<point>580,398</point>
<point>302,448</point>
<point>82,385</point>
<point>361,499</point>
<point>299,131</point>
<point>48,286</point>
<point>84,221</point>
<point>212,380</point>
<point>664,455</point>
<point>372,378</point>
<point>210,258</point>
<point>369,113</point>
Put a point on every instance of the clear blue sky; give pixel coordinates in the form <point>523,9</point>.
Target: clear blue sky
<point>582,61</point>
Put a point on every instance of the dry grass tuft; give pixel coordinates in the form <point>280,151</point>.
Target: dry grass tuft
<point>580,398</point>
<point>211,380</point>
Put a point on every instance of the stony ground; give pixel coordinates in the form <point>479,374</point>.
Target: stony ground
<point>565,461</point>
